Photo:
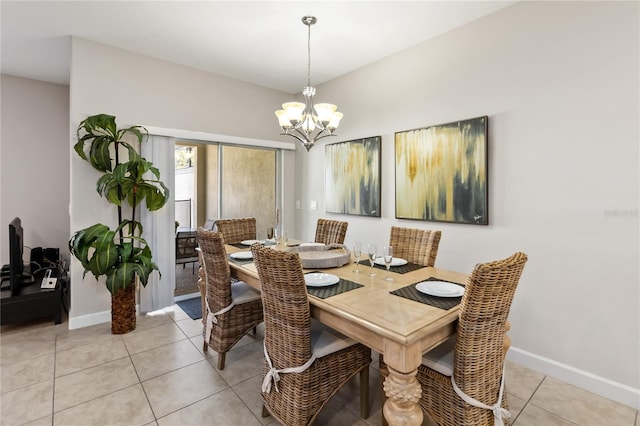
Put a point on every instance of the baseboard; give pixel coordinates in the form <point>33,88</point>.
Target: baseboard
<point>93,319</point>
<point>582,379</point>
<point>186,296</point>
<point>89,320</point>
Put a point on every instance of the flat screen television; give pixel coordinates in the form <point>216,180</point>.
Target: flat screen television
<point>17,275</point>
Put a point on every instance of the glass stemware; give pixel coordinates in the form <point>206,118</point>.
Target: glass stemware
<point>357,252</point>
<point>372,251</point>
<point>388,257</point>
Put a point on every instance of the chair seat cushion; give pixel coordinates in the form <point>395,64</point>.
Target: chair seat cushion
<point>243,293</point>
<point>325,340</point>
<point>440,358</point>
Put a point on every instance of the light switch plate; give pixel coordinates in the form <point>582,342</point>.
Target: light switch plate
<point>313,205</point>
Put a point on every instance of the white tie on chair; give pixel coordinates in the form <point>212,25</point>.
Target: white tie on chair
<point>240,293</point>
<point>324,341</point>
<point>498,411</point>
<point>440,359</point>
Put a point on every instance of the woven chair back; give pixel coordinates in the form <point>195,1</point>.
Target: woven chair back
<point>479,351</point>
<point>236,230</point>
<point>287,316</point>
<point>216,269</point>
<point>331,231</point>
<point>419,246</point>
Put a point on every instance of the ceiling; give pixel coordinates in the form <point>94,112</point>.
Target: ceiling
<point>260,42</point>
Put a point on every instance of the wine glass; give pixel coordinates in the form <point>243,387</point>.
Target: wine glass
<point>372,250</point>
<point>388,257</point>
<point>357,252</point>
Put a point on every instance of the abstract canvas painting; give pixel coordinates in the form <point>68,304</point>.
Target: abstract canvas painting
<point>441,172</point>
<point>352,177</point>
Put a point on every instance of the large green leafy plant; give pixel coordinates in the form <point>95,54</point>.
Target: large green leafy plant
<point>119,254</point>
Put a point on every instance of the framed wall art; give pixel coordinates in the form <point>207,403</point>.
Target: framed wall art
<point>352,177</point>
<point>441,172</point>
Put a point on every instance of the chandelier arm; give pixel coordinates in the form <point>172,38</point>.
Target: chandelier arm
<point>294,136</point>
<point>305,143</point>
<point>322,136</point>
<point>305,138</point>
<point>308,137</point>
<point>303,135</point>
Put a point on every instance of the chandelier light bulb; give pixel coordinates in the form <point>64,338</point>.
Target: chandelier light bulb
<point>335,121</point>
<point>325,112</point>
<point>283,119</point>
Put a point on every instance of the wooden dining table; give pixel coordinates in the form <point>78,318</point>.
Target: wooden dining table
<point>399,328</point>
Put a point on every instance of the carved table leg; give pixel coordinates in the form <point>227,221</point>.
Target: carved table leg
<point>403,393</point>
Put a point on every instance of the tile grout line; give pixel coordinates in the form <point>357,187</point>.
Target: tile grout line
<point>529,399</point>
<point>146,396</point>
<point>53,388</point>
<point>230,387</point>
<point>542,408</point>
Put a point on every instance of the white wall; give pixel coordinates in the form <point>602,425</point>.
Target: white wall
<point>34,163</point>
<point>560,84</point>
<point>143,90</point>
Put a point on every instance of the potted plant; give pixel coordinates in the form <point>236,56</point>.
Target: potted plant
<point>120,254</point>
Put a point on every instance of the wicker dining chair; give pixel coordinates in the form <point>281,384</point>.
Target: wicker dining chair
<point>331,231</point>
<point>202,286</point>
<point>326,360</point>
<point>236,230</point>
<point>474,357</point>
<point>231,309</point>
<point>419,246</point>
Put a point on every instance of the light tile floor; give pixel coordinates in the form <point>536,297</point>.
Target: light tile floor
<point>158,375</point>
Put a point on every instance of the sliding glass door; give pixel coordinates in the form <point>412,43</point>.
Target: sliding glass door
<point>225,181</point>
<point>248,185</point>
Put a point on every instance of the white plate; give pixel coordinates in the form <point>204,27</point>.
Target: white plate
<point>318,279</point>
<point>311,244</point>
<point>440,289</point>
<point>395,261</point>
<point>241,255</point>
<point>249,242</point>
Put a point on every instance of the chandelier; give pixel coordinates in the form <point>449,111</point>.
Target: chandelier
<point>305,121</point>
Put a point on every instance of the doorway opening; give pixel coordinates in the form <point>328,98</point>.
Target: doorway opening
<point>217,180</point>
<point>185,187</point>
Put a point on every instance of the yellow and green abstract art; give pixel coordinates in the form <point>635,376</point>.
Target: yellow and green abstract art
<point>441,172</point>
<point>352,177</point>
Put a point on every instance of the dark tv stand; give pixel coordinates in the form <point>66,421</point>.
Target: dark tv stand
<point>33,302</point>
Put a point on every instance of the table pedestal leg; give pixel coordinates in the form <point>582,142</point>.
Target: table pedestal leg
<point>403,393</point>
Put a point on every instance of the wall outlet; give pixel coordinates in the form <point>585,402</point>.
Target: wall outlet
<point>313,205</point>
<point>297,204</point>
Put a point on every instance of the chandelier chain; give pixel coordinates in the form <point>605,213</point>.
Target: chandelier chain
<point>309,55</point>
